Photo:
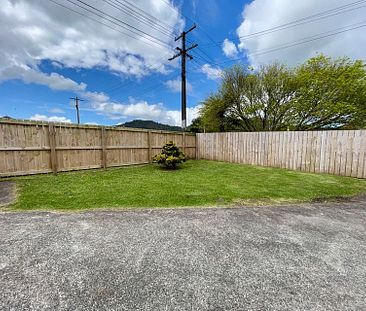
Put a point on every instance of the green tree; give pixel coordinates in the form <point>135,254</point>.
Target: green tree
<point>213,113</point>
<point>322,93</point>
<point>196,126</point>
<point>251,101</point>
<point>331,94</point>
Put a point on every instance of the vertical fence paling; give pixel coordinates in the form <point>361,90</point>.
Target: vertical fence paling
<point>149,142</point>
<point>104,150</point>
<point>31,148</point>
<point>334,152</point>
<point>52,142</point>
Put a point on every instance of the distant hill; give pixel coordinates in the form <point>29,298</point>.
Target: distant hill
<point>151,125</point>
<point>6,118</point>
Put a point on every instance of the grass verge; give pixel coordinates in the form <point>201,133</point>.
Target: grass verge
<point>196,183</point>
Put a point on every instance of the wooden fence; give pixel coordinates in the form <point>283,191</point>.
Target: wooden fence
<point>29,148</point>
<point>333,152</point>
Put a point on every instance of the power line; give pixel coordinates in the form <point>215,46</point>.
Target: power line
<point>204,56</point>
<point>290,25</point>
<point>296,43</point>
<point>312,18</point>
<point>151,87</point>
<point>196,65</point>
<point>139,17</point>
<point>118,22</point>
<point>336,11</point>
<point>97,21</point>
<point>195,23</point>
<point>201,60</point>
<point>199,27</point>
<point>201,54</point>
<point>304,20</point>
<point>135,8</point>
<point>118,86</point>
<point>143,33</point>
<point>202,51</point>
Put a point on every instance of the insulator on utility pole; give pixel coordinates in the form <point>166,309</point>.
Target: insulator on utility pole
<point>183,53</point>
<point>77,99</point>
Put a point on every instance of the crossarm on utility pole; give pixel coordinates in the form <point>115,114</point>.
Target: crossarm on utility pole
<point>192,47</point>
<point>77,99</point>
<point>174,57</point>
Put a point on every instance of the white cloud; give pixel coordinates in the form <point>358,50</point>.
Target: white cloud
<point>192,113</point>
<point>143,110</point>
<point>211,72</point>
<point>38,30</point>
<point>53,80</point>
<point>175,85</point>
<point>229,48</point>
<point>95,96</point>
<point>264,14</point>
<point>57,110</point>
<point>40,117</point>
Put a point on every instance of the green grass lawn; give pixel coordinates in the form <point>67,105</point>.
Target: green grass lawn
<point>196,183</point>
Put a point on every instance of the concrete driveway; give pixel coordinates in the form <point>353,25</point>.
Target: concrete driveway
<point>306,257</point>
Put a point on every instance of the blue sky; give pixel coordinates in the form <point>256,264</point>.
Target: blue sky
<point>49,53</point>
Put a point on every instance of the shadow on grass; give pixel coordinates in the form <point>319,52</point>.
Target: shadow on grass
<point>168,169</point>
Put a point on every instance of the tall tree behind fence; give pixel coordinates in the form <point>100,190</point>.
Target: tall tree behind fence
<point>333,152</point>
<point>29,148</point>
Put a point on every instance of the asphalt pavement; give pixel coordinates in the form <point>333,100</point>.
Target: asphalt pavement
<point>298,257</point>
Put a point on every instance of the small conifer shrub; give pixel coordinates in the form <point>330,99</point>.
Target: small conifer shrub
<point>170,156</point>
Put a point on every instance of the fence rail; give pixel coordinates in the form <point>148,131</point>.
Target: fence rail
<point>333,152</point>
<point>31,148</point>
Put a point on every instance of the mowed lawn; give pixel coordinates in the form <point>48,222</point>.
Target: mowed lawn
<point>196,183</point>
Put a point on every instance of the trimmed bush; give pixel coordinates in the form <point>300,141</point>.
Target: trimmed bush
<point>170,156</point>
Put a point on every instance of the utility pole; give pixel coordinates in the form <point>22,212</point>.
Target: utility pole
<point>77,99</point>
<point>183,53</point>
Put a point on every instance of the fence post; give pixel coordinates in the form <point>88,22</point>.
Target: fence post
<point>104,151</point>
<point>184,142</point>
<point>196,145</point>
<point>149,146</point>
<point>52,140</point>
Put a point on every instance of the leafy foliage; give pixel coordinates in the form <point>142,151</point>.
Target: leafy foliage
<point>320,94</point>
<point>170,156</point>
<point>214,117</point>
<point>331,94</point>
<point>196,126</point>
